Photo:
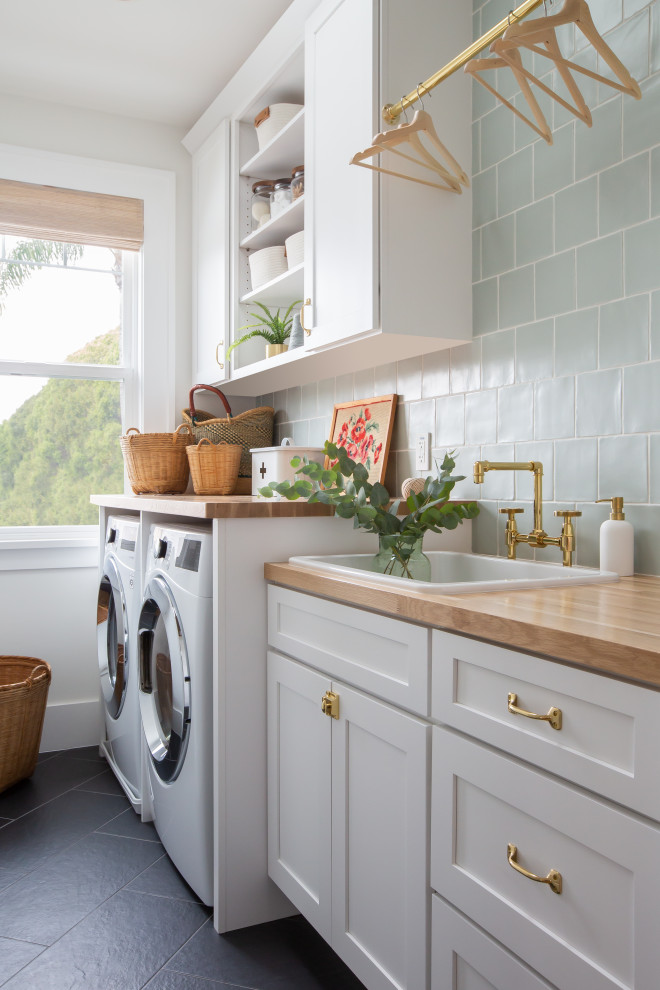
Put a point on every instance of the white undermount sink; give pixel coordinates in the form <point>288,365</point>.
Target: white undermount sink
<point>455,573</point>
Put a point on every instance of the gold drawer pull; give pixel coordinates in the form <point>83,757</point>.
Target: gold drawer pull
<point>553,716</point>
<point>553,878</point>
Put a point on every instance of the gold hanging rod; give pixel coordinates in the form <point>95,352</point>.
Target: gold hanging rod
<point>392,111</point>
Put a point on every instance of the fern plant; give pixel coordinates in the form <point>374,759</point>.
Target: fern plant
<point>273,328</point>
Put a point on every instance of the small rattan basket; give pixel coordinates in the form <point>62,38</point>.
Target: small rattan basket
<point>156,463</point>
<point>214,467</point>
<point>24,683</point>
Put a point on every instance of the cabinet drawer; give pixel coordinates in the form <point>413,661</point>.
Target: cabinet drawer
<point>385,657</point>
<point>463,957</point>
<point>610,730</point>
<point>597,933</point>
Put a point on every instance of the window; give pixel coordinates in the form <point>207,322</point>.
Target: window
<point>66,339</point>
<point>89,215</point>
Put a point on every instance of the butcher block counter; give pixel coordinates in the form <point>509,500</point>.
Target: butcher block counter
<point>610,628</point>
<point>213,506</point>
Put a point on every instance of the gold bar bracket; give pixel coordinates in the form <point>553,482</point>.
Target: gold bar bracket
<point>392,111</point>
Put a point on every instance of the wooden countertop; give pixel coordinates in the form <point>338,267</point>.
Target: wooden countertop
<point>217,506</point>
<point>611,628</point>
<point>213,506</point>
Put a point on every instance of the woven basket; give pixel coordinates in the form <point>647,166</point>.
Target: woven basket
<point>24,683</point>
<point>156,463</point>
<point>214,467</point>
<point>253,428</point>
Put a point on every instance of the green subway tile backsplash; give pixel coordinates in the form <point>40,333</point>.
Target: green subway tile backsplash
<point>576,342</point>
<point>624,332</point>
<point>555,284</point>
<point>599,146</point>
<point>564,365</point>
<point>600,271</point>
<point>624,194</point>
<point>643,257</point>
<point>517,296</point>
<point>534,351</point>
<point>576,214</point>
<point>535,231</point>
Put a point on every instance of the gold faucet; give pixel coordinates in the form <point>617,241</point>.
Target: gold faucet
<point>538,537</point>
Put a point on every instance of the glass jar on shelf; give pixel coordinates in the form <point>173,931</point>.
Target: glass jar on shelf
<point>260,205</point>
<point>280,197</point>
<point>297,182</point>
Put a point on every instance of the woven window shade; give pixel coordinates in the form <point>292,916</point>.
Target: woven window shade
<point>52,214</point>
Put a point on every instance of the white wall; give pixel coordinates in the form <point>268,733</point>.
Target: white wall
<point>50,612</point>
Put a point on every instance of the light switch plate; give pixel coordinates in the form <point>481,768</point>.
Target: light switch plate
<point>423,452</point>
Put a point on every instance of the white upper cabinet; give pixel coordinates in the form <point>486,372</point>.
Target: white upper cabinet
<point>341,230</point>
<point>387,262</point>
<point>211,256</point>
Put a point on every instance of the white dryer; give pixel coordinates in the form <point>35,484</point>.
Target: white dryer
<point>117,613</point>
<point>176,678</point>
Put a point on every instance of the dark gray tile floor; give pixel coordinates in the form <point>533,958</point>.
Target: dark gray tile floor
<point>90,901</point>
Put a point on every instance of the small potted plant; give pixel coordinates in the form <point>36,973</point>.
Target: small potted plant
<point>274,329</point>
<point>345,486</point>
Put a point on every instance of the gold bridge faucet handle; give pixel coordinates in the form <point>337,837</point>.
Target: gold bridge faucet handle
<point>511,532</point>
<point>567,538</point>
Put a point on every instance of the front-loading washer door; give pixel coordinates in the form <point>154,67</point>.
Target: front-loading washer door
<point>112,639</point>
<point>164,680</point>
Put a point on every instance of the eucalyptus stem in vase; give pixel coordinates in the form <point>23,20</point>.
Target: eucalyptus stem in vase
<point>344,484</point>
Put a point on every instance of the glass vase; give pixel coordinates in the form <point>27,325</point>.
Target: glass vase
<point>402,559</point>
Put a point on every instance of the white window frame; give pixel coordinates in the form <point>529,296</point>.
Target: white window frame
<point>149,391</point>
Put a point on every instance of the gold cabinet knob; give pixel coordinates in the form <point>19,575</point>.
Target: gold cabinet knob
<point>217,356</point>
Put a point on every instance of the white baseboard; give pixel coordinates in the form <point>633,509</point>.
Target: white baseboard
<point>71,725</point>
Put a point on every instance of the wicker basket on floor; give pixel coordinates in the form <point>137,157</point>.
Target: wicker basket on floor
<point>24,683</point>
<point>214,466</point>
<point>156,463</point>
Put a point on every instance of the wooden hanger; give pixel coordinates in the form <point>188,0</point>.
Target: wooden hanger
<point>541,31</point>
<point>478,65</point>
<point>410,134</point>
<point>505,47</point>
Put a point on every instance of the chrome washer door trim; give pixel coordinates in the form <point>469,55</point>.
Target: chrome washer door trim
<point>112,639</point>
<point>167,752</point>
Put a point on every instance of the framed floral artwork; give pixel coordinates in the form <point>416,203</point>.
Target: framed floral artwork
<point>364,428</point>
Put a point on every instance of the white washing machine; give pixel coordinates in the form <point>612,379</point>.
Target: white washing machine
<point>176,679</point>
<point>117,613</point>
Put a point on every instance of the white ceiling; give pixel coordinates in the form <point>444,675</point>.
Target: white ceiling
<point>160,60</point>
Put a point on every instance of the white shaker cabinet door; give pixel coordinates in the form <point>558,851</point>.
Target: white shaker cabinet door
<point>341,204</point>
<point>211,256</point>
<point>379,842</point>
<point>299,798</point>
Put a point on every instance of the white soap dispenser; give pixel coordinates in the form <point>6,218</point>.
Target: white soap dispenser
<point>617,540</point>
